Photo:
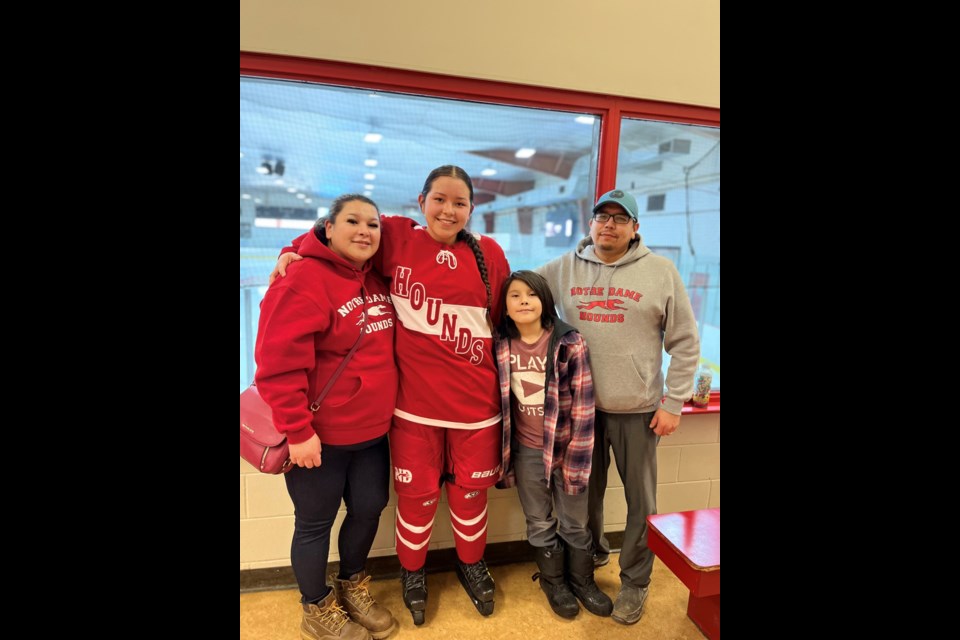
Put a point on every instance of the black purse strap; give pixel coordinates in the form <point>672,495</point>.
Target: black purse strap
<point>336,374</point>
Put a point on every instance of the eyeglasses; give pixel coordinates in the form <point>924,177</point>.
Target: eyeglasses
<point>618,218</point>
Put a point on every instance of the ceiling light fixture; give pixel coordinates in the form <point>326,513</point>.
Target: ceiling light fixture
<point>525,152</point>
<point>370,163</point>
<point>373,137</point>
<point>488,172</point>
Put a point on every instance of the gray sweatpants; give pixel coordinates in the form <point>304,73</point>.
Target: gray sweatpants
<point>539,501</point>
<point>635,450</point>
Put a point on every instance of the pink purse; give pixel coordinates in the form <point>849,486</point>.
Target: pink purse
<point>260,443</point>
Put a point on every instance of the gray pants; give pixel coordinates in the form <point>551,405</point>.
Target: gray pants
<point>635,450</point>
<point>538,502</point>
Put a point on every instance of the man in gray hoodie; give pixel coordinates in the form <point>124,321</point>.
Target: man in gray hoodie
<point>630,305</point>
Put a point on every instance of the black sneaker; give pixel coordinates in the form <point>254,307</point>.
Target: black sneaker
<point>629,605</point>
<point>601,559</point>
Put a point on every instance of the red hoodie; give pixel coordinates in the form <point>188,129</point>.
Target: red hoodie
<point>309,321</point>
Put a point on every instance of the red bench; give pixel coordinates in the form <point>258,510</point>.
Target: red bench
<point>688,542</point>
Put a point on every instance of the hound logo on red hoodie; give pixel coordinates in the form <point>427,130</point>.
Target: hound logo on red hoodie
<point>374,311</point>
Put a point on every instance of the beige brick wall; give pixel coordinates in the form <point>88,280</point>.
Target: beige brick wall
<point>688,466</point>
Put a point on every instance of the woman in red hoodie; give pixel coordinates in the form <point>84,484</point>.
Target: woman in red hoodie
<point>309,322</point>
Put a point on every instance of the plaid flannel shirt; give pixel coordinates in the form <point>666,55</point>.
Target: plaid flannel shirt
<point>568,410</point>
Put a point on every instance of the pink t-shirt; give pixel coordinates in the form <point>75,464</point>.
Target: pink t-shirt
<point>528,370</point>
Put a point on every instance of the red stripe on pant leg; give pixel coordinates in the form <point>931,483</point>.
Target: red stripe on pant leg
<point>413,528</point>
<point>468,517</point>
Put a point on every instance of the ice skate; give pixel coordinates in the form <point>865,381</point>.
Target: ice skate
<point>415,593</point>
<point>478,583</point>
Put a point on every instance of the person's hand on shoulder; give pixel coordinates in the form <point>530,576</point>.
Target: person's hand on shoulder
<point>282,263</point>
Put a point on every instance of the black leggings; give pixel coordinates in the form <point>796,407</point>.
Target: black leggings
<point>361,477</point>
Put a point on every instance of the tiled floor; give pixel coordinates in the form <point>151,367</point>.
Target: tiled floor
<point>521,610</point>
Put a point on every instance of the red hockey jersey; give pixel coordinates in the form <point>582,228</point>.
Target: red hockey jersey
<point>448,372</point>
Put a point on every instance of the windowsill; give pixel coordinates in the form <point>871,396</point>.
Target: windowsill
<point>712,407</point>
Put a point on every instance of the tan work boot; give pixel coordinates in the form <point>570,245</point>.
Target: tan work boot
<point>363,609</point>
<point>327,621</point>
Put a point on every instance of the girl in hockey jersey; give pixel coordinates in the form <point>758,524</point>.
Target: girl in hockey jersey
<point>546,393</point>
<point>332,304</point>
<point>446,425</point>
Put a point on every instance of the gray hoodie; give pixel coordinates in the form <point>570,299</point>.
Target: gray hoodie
<point>629,312</point>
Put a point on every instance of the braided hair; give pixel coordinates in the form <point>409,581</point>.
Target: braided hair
<point>471,241</point>
<point>453,171</point>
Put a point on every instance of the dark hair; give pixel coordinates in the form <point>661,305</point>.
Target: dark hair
<point>539,285</point>
<point>320,228</point>
<point>447,171</point>
<point>453,171</point>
